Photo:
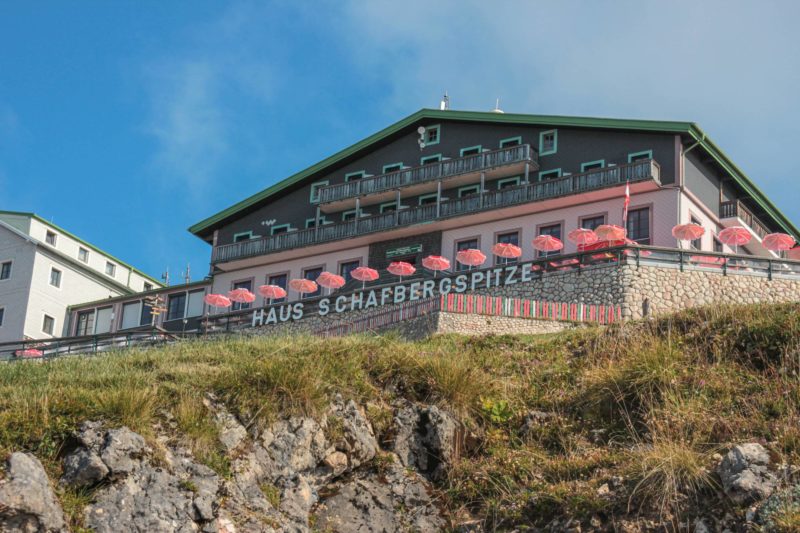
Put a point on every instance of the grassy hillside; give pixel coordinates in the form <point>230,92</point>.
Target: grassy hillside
<point>552,422</point>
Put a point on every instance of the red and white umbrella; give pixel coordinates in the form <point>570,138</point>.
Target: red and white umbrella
<point>610,232</point>
<point>364,274</point>
<point>242,296</point>
<point>401,268</point>
<point>303,286</point>
<point>794,253</point>
<point>507,250</point>
<point>582,236</point>
<point>436,263</point>
<point>471,257</point>
<point>735,236</point>
<point>330,281</point>
<point>778,242</point>
<point>688,232</point>
<point>29,353</point>
<point>272,292</point>
<point>217,300</point>
<point>547,243</point>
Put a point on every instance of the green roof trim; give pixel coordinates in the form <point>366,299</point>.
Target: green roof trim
<point>83,242</point>
<point>555,121</point>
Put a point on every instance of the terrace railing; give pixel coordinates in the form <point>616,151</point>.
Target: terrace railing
<point>735,208</point>
<point>484,201</point>
<point>427,173</point>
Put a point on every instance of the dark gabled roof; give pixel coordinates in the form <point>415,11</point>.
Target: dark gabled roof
<point>689,129</point>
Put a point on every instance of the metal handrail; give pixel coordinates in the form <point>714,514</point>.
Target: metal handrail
<point>483,201</point>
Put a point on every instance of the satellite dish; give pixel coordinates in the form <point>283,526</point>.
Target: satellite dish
<point>421,130</point>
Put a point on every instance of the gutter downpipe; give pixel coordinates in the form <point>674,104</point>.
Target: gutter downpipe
<point>680,184</point>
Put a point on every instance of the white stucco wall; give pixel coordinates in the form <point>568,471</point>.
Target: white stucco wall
<point>14,291</point>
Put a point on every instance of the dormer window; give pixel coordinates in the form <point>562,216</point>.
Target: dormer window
<point>432,135</point>
<point>50,238</point>
<point>548,142</point>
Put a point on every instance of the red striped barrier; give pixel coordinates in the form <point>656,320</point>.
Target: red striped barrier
<point>525,308</point>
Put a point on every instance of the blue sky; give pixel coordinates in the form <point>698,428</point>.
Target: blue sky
<point>126,122</point>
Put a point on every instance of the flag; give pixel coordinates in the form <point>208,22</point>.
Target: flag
<point>627,203</point>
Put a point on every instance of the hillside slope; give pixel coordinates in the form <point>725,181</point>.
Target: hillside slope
<point>683,423</point>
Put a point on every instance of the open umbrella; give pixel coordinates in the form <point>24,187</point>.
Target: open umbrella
<point>470,257</point>
<point>610,232</point>
<point>401,268</point>
<point>794,253</point>
<point>242,296</point>
<point>29,353</point>
<point>436,263</point>
<point>330,281</point>
<point>778,242</point>
<point>688,232</point>
<point>547,243</point>
<point>303,286</point>
<point>272,292</point>
<point>735,236</point>
<point>217,300</point>
<point>582,236</point>
<point>506,250</point>
<point>364,274</point>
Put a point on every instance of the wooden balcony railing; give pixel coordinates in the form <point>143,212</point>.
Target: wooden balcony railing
<point>427,173</point>
<point>735,209</point>
<point>483,201</point>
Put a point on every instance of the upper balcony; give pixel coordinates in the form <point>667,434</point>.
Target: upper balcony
<point>424,179</point>
<point>585,182</point>
<point>734,213</point>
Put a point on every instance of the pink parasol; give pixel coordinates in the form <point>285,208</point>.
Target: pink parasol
<point>401,268</point>
<point>29,352</point>
<point>217,300</point>
<point>735,236</point>
<point>330,281</point>
<point>436,263</point>
<point>470,257</point>
<point>688,232</point>
<point>778,242</point>
<point>582,236</point>
<point>272,292</point>
<point>794,253</point>
<point>242,296</point>
<point>303,286</point>
<point>610,232</point>
<point>547,243</point>
<point>506,250</point>
<point>364,274</point>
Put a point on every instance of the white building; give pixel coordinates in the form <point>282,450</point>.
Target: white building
<point>44,269</point>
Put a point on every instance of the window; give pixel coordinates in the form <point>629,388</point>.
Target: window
<point>350,215</point>
<point>55,277</point>
<point>131,315</point>
<point>5,270</point>
<point>591,165</point>
<point>469,189</point>
<point>593,221</point>
<point>102,322</point>
<point>639,225</point>
<point>464,245</point>
<point>430,159</point>
<point>242,285</point>
<point>312,222</point>
<point>428,199</point>
<point>554,230</point>
<point>347,267</point>
<point>148,286</point>
<point>352,176</point>
<point>471,150</point>
<point>176,306</point>
<point>85,323</point>
<point>315,187</point>
<point>696,244</point>
<point>508,182</point>
<point>83,255</point>
<point>548,142</point>
<point>718,246</point>
<point>147,315</point>
<point>389,206</point>
<point>111,269</point>
<point>549,174</point>
<point>512,237</point>
<point>2,314</point>
<point>508,143</point>
<point>281,228</point>
<point>432,135</point>
<point>194,305</point>
<point>639,156</point>
<point>243,236</point>
<point>281,280</point>
<point>50,238</point>
<point>392,167</point>
<point>312,274</point>
<point>48,324</point>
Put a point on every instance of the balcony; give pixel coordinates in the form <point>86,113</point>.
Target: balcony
<point>595,180</point>
<point>424,179</point>
<point>730,213</point>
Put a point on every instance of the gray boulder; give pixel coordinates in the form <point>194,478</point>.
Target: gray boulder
<point>745,474</point>
<point>360,443</point>
<point>122,450</point>
<point>83,468</point>
<point>426,439</point>
<point>294,445</point>
<point>27,502</point>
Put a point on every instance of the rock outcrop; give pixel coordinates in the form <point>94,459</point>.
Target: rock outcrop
<point>745,474</point>
<point>27,502</point>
